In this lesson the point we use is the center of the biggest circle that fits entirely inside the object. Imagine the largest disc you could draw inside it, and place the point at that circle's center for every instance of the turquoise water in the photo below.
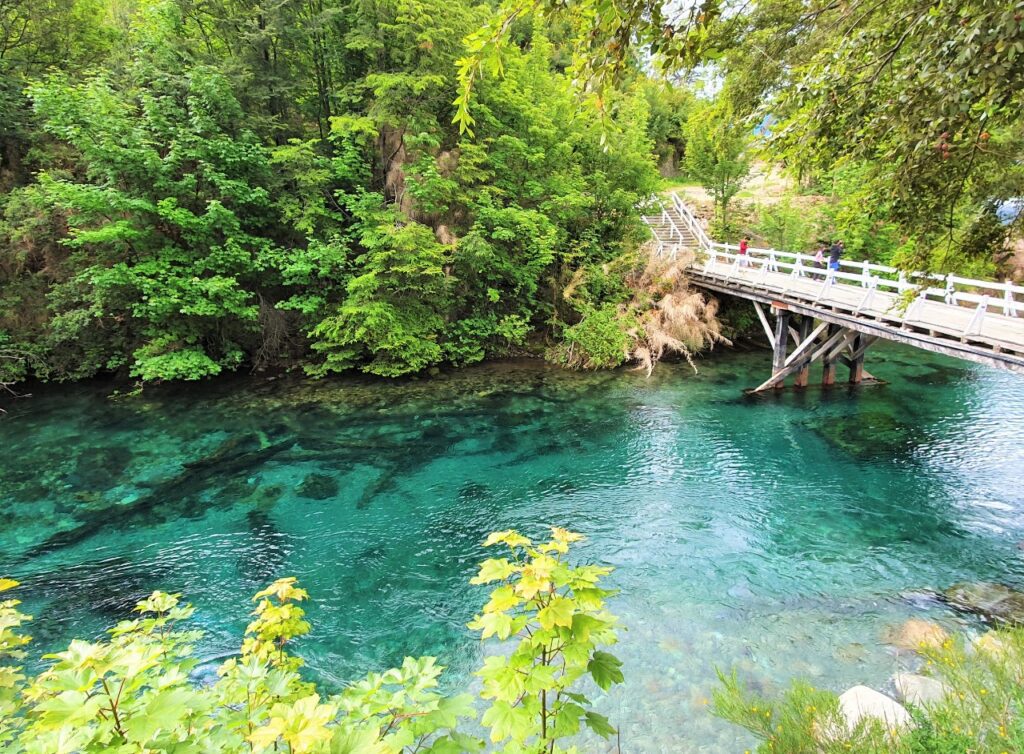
(781, 535)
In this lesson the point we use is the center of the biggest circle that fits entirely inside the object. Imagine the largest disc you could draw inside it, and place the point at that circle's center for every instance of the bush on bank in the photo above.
(979, 712)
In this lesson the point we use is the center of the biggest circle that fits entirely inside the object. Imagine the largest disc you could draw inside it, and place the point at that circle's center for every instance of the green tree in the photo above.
(716, 154)
(927, 93)
(392, 317)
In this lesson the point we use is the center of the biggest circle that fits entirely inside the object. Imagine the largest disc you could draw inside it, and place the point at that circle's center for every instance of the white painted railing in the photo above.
(951, 289)
(691, 222)
(913, 288)
(675, 236)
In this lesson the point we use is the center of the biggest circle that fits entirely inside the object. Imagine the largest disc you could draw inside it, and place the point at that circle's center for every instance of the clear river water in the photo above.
(778, 535)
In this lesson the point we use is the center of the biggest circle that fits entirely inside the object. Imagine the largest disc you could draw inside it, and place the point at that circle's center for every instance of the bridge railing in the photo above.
(913, 288)
(675, 235)
(983, 296)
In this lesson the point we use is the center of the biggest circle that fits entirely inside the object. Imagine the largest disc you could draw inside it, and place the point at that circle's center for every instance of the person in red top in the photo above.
(744, 243)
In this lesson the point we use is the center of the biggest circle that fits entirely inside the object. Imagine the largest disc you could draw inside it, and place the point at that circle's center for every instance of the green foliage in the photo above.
(980, 711)
(216, 191)
(132, 692)
(795, 724)
(857, 216)
(392, 317)
(558, 613)
(922, 97)
(601, 39)
(670, 107)
(918, 89)
(784, 226)
(716, 144)
(598, 341)
(926, 94)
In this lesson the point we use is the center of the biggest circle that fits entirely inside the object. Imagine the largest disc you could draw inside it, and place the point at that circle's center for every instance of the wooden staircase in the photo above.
(670, 230)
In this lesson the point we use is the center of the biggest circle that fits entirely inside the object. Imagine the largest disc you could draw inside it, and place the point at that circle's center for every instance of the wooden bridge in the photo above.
(833, 316)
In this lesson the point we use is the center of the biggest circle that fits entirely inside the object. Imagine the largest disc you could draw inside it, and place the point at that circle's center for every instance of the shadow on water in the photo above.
(95, 489)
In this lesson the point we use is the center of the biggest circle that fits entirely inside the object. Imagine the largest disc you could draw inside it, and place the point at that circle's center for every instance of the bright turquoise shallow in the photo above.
(780, 535)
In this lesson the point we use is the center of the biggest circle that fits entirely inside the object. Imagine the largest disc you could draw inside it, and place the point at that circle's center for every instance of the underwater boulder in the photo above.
(916, 634)
(100, 468)
(868, 435)
(997, 603)
(318, 487)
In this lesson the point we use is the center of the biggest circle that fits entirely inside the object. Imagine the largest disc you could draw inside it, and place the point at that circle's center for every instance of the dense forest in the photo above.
(193, 186)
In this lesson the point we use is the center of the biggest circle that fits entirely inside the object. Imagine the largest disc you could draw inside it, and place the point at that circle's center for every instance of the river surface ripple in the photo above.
(777, 535)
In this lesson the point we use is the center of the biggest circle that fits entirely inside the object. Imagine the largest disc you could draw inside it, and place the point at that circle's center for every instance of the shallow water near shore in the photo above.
(780, 535)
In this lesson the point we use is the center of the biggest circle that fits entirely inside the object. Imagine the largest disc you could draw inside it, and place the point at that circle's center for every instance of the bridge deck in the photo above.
(995, 330)
(932, 325)
(970, 319)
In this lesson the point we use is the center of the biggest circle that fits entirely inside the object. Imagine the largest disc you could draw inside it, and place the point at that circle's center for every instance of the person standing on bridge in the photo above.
(744, 244)
(819, 260)
(833, 255)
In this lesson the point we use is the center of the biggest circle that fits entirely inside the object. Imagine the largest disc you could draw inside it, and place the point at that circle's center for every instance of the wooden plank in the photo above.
(828, 364)
(781, 337)
(807, 342)
(857, 362)
(882, 324)
(808, 336)
(764, 324)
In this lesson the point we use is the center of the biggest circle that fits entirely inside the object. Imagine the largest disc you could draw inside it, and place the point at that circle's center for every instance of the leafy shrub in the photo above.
(981, 711)
(132, 691)
(786, 227)
(598, 341)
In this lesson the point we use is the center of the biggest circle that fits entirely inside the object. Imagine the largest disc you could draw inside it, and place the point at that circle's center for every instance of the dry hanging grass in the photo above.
(663, 316)
(672, 317)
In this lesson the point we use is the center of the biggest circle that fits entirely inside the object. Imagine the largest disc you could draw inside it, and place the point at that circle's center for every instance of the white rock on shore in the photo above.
(919, 690)
(860, 702)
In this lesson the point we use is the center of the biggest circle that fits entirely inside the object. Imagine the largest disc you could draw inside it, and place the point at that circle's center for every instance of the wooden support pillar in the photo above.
(806, 327)
(857, 361)
(828, 365)
(781, 341)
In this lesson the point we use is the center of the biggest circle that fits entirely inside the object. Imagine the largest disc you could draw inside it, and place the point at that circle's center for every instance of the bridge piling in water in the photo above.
(827, 342)
(804, 372)
(828, 364)
(780, 343)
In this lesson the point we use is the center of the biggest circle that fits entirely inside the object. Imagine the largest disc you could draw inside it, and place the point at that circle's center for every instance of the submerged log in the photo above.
(172, 497)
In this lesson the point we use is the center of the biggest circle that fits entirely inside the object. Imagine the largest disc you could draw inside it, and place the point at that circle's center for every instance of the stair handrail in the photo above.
(691, 222)
(667, 218)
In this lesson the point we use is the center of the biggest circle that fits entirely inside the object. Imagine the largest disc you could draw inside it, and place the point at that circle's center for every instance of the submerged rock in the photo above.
(860, 703)
(473, 492)
(994, 602)
(868, 435)
(919, 690)
(100, 468)
(991, 643)
(854, 652)
(917, 634)
(319, 487)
